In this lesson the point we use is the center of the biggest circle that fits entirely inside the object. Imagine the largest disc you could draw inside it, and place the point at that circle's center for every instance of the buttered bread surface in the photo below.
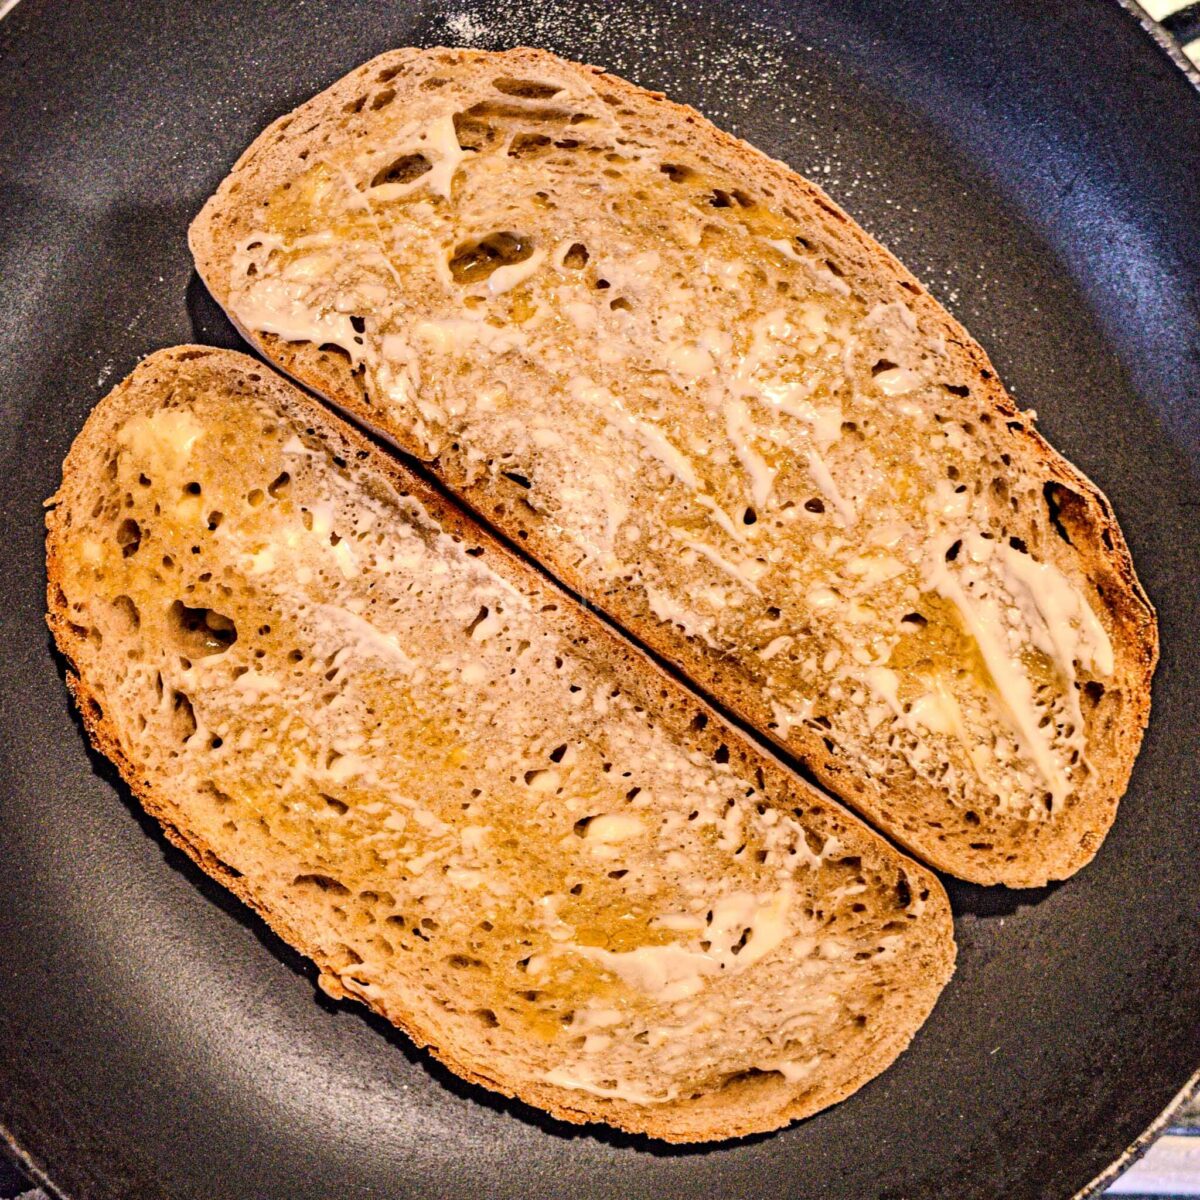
(704, 398)
(476, 808)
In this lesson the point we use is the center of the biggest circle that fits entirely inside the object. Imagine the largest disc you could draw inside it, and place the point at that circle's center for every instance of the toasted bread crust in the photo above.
(1025, 856)
(733, 1112)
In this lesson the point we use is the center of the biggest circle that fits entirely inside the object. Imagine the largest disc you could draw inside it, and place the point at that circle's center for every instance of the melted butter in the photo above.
(739, 430)
(744, 929)
(504, 279)
(652, 437)
(575, 1082)
(613, 827)
(981, 619)
(942, 643)
(163, 439)
(286, 308)
(1069, 631)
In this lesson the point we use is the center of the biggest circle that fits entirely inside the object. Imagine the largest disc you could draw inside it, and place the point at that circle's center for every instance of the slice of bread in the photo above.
(712, 405)
(474, 806)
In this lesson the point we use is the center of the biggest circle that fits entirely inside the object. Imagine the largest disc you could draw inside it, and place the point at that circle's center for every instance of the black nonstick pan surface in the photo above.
(1036, 163)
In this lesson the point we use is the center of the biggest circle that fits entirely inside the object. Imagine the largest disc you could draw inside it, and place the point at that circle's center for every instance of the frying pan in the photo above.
(1037, 163)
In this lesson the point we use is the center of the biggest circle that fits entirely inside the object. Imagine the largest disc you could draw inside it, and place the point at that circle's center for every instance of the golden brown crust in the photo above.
(1049, 850)
(721, 1115)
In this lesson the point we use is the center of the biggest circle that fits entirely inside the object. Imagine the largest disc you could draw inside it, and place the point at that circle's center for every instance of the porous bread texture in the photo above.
(704, 399)
(476, 808)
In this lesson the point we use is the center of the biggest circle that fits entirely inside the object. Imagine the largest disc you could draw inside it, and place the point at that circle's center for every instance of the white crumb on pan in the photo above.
(650, 44)
(466, 29)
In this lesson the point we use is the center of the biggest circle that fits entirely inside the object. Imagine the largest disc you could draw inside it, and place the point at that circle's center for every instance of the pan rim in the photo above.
(1165, 42)
(1140, 1145)
(25, 1162)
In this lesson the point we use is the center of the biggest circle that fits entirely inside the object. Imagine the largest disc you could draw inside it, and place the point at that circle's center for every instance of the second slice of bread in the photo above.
(475, 807)
(711, 404)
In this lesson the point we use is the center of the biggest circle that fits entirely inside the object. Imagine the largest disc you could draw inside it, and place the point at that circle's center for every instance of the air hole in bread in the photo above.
(721, 754)
(339, 806)
(200, 632)
(475, 260)
(129, 537)
(383, 99)
(620, 304)
(321, 883)
(404, 169)
(486, 1018)
(677, 172)
(576, 257)
(479, 617)
(183, 716)
(473, 134)
(465, 962)
(214, 520)
(328, 348)
(527, 89)
(490, 108)
(128, 617)
(1057, 498)
(517, 478)
(433, 83)
(526, 145)
(814, 505)
(214, 793)
(278, 487)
